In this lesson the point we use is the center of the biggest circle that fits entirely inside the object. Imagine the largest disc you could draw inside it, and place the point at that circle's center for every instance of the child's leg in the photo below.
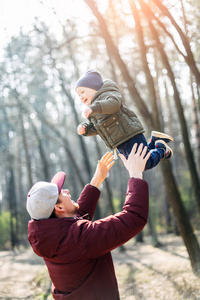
(156, 154)
(154, 159)
(126, 147)
(162, 150)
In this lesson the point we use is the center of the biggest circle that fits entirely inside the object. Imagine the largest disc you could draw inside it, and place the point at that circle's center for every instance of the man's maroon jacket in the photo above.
(77, 251)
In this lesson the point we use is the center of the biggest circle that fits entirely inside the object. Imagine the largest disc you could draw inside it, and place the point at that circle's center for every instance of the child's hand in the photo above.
(87, 112)
(81, 129)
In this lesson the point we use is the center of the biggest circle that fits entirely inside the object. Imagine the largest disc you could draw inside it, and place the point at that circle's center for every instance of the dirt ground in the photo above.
(17, 272)
(143, 272)
(149, 273)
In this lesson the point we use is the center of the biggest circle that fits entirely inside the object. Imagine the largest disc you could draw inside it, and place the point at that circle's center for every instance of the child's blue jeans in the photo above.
(156, 154)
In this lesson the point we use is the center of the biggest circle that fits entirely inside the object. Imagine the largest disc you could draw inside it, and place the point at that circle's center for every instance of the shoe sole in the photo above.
(161, 135)
(167, 148)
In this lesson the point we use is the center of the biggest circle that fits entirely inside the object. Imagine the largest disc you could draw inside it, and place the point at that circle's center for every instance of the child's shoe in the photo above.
(168, 152)
(156, 135)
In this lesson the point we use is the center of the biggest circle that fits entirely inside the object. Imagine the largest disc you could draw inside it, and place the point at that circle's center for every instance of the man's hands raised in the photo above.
(102, 169)
(135, 164)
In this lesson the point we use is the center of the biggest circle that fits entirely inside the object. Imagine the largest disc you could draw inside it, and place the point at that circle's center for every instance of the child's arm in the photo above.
(86, 129)
(87, 112)
(110, 105)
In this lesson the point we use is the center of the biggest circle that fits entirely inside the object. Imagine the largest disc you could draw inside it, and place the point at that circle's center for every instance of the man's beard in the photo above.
(76, 207)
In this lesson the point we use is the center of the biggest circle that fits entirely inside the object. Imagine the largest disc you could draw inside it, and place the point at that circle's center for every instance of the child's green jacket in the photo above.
(111, 119)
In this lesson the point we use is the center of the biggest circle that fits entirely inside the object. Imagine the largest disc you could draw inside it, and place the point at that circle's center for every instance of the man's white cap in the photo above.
(43, 196)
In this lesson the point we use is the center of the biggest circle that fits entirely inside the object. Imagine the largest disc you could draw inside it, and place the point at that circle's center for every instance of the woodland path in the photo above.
(143, 272)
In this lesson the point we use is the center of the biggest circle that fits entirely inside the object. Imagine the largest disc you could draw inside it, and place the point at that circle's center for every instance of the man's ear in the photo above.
(58, 207)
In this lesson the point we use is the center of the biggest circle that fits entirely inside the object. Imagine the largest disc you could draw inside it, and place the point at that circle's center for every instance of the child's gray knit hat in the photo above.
(92, 79)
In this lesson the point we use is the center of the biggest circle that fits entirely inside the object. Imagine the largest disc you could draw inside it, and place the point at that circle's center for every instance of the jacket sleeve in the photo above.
(99, 237)
(88, 201)
(110, 105)
(90, 130)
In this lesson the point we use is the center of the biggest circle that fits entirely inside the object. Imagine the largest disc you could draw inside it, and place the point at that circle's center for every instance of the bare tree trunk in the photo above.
(14, 224)
(69, 97)
(82, 144)
(44, 160)
(189, 58)
(192, 246)
(194, 105)
(167, 214)
(108, 189)
(189, 152)
(196, 124)
(20, 112)
(182, 219)
(139, 237)
(66, 147)
(18, 174)
(149, 78)
(152, 227)
(24, 139)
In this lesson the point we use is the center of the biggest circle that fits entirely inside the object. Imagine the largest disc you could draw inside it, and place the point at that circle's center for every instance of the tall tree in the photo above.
(143, 51)
(190, 57)
(170, 182)
(179, 107)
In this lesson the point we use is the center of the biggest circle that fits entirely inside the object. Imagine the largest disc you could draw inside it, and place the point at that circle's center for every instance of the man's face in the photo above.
(86, 94)
(67, 204)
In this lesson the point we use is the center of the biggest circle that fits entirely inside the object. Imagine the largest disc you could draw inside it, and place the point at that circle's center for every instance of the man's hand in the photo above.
(81, 129)
(87, 112)
(135, 164)
(102, 169)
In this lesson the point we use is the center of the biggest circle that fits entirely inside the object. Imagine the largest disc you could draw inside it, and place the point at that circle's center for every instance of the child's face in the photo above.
(86, 94)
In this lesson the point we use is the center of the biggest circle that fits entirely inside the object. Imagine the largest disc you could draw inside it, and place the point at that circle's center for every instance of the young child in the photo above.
(117, 125)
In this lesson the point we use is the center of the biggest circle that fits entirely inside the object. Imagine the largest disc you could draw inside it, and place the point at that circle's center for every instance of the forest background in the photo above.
(151, 49)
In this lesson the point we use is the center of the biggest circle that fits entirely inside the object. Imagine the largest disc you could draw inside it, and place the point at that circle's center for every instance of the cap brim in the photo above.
(59, 180)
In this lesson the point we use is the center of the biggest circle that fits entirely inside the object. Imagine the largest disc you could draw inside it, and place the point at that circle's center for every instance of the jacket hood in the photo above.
(45, 236)
(108, 85)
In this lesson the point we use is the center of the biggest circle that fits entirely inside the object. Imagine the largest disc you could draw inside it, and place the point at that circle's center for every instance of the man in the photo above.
(75, 249)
